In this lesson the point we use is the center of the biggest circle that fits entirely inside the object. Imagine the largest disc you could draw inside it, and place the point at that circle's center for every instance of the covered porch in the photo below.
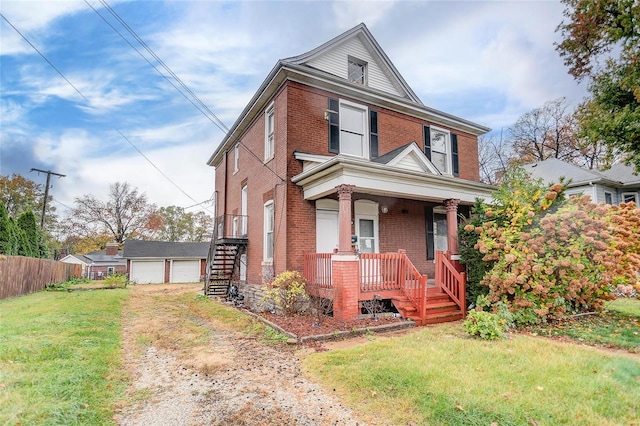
(391, 234)
(387, 276)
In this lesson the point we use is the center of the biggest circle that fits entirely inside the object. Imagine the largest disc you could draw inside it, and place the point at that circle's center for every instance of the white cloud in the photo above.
(350, 13)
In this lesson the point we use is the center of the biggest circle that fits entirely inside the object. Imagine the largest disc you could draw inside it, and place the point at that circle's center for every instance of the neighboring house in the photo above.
(165, 262)
(335, 148)
(78, 259)
(100, 263)
(613, 186)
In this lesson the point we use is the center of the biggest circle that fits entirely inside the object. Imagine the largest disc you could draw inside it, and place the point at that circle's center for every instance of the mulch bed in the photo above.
(306, 327)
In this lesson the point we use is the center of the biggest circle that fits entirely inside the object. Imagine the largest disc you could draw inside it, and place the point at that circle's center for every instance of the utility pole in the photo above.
(46, 191)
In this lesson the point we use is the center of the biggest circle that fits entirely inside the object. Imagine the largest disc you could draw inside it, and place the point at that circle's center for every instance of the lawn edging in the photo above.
(335, 335)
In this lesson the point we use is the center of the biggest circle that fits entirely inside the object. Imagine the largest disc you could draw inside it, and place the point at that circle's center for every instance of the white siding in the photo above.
(335, 62)
(410, 163)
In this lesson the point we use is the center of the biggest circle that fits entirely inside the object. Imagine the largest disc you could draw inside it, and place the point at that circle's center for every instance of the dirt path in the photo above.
(228, 379)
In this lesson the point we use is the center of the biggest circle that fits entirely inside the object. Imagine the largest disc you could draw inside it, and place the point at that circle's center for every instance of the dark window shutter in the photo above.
(373, 137)
(334, 126)
(454, 154)
(427, 141)
(428, 212)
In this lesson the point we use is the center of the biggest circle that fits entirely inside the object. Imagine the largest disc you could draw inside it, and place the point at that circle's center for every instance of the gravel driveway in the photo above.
(249, 383)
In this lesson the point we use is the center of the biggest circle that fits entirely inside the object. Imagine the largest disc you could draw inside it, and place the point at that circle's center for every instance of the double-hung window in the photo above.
(269, 220)
(269, 135)
(353, 129)
(608, 197)
(441, 147)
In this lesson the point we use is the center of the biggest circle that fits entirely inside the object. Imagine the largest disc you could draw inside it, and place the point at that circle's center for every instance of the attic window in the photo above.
(357, 71)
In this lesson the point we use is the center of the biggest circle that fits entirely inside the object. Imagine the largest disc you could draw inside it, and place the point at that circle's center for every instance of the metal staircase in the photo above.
(223, 260)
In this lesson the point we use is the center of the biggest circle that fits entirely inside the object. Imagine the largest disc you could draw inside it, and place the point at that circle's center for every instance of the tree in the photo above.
(494, 156)
(601, 42)
(178, 225)
(545, 132)
(31, 245)
(8, 237)
(21, 195)
(125, 214)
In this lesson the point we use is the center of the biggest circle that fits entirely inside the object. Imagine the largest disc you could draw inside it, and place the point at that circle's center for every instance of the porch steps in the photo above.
(439, 308)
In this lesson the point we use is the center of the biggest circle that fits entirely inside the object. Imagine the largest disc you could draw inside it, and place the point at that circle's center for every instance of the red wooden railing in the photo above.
(317, 270)
(380, 271)
(450, 280)
(414, 285)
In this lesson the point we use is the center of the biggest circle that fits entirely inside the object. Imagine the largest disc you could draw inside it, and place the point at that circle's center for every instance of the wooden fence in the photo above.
(23, 275)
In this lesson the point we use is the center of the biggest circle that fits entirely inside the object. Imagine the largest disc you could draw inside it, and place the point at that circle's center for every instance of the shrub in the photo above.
(116, 281)
(286, 292)
(547, 258)
(486, 325)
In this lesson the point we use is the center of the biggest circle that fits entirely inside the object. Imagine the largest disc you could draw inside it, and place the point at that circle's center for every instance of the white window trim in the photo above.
(236, 158)
(267, 205)
(269, 146)
(610, 196)
(361, 63)
(449, 171)
(365, 127)
(634, 194)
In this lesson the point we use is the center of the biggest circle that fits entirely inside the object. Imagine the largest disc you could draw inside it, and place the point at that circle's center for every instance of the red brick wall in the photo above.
(300, 126)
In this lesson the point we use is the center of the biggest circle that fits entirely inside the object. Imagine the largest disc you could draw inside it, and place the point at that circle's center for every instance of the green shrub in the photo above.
(287, 293)
(116, 281)
(486, 325)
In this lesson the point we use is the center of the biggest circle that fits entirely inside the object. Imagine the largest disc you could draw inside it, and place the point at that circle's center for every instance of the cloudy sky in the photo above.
(488, 62)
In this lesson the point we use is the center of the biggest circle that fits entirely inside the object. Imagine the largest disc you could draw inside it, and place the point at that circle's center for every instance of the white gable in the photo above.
(334, 61)
(411, 158)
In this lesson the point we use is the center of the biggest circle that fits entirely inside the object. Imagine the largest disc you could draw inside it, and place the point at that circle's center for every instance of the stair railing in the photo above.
(450, 280)
(413, 284)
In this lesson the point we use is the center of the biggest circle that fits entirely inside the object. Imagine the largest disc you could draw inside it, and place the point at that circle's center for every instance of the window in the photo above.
(269, 220)
(350, 125)
(356, 70)
(628, 197)
(608, 197)
(111, 270)
(236, 158)
(269, 125)
(441, 147)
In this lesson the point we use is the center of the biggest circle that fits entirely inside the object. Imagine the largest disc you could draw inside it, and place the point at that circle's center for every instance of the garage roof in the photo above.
(164, 249)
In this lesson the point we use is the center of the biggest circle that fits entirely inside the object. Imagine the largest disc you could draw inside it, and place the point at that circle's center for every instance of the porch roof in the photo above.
(386, 180)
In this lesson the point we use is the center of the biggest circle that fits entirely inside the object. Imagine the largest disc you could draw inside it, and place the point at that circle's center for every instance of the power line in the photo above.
(86, 99)
(199, 104)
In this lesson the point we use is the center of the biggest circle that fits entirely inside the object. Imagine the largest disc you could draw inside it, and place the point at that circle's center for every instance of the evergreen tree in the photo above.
(27, 224)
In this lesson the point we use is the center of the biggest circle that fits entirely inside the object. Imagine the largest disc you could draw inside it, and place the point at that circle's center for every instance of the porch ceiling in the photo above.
(380, 179)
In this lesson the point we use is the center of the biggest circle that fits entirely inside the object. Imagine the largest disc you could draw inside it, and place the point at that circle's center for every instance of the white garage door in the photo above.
(185, 271)
(146, 272)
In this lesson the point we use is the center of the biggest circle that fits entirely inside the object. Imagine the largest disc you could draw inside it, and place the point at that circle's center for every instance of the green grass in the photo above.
(617, 327)
(440, 376)
(60, 358)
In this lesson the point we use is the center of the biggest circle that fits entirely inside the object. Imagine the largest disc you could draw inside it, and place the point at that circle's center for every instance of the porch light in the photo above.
(384, 209)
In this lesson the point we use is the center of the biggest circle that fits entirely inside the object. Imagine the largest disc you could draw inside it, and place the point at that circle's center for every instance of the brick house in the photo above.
(336, 168)
(98, 264)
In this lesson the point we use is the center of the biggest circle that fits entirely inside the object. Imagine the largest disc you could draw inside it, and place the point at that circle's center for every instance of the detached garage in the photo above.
(165, 262)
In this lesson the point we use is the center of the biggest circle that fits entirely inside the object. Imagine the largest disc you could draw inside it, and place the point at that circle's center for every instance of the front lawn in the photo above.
(441, 376)
(617, 327)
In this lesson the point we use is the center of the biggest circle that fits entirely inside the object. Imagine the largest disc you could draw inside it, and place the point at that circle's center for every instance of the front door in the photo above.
(326, 226)
(366, 224)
